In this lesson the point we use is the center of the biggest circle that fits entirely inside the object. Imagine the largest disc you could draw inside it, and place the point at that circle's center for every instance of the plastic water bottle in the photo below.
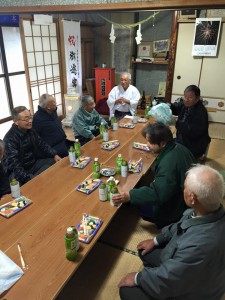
(124, 168)
(96, 168)
(114, 123)
(102, 192)
(15, 188)
(71, 240)
(119, 160)
(72, 155)
(114, 192)
(77, 148)
(135, 118)
(101, 129)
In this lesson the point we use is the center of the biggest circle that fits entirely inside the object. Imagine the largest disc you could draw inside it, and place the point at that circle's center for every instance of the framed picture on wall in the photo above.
(145, 50)
(187, 14)
(160, 48)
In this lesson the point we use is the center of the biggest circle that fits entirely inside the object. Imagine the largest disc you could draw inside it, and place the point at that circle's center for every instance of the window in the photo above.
(13, 85)
(43, 61)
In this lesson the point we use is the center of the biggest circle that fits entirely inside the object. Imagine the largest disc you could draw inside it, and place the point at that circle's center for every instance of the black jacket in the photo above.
(192, 127)
(4, 182)
(22, 149)
(49, 127)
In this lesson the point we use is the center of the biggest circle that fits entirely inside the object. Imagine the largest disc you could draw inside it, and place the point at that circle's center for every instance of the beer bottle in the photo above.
(143, 101)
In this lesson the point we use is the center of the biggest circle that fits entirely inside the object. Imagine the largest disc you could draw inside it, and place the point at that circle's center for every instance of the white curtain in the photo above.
(72, 42)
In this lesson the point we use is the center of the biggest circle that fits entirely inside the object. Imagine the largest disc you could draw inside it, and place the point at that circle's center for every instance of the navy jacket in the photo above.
(49, 127)
(192, 127)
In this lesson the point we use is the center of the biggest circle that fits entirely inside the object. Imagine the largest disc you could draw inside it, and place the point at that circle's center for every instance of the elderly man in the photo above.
(192, 124)
(4, 180)
(161, 202)
(86, 121)
(26, 154)
(187, 260)
(123, 99)
(48, 125)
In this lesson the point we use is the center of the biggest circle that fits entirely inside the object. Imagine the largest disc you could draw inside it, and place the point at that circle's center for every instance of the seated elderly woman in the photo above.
(192, 124)
(86, 121)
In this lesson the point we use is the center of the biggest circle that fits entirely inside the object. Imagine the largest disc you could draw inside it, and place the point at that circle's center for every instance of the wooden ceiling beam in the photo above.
(128, 6)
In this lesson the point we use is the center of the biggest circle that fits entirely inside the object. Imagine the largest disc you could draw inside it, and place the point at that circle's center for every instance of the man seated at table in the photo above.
(187, 260)
(123, 98)
(48, 125)
(4, 180)
(86, 121)
(192, 124)
(162, 201)
(26, 154)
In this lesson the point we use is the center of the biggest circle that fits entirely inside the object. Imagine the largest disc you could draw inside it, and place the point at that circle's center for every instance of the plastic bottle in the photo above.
(70, 243)
(105, 135)
(143, 101)
(96, 168)
(146, 112)
(135, 118)
(101, 129)
(114, 123)
(15, 188)
(102, 192)
(124, 168)
(114, 192)
(119, 160)
(72, 155)
(110, 184)
(77, 148)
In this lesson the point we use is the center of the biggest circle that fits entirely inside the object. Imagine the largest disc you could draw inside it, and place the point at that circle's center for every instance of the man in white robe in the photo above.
(123, 98)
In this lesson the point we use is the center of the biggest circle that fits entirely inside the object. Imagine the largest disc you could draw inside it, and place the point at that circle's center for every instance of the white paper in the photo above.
(9, 272)
(43, 20)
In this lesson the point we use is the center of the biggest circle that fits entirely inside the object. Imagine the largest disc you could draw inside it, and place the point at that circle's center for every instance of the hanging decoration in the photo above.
(112, 36)
(139, 35)
(138, 38)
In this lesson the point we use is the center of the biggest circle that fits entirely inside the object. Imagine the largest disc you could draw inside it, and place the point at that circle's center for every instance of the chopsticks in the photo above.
(24, 266)
(137, 162)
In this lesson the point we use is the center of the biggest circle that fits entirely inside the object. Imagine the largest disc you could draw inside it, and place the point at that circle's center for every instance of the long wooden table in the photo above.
(40, 228)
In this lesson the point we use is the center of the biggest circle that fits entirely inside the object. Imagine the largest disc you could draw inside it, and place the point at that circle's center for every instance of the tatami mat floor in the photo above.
(115, 253)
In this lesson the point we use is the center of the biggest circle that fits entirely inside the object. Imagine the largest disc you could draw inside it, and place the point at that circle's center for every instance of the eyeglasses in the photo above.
(26, 119)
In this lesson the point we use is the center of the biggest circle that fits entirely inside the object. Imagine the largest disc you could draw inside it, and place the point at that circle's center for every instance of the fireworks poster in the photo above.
(206, 39)
(72, 43)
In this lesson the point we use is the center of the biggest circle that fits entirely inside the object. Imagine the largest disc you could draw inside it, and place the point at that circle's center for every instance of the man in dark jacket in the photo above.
(48, 125)
(192, 124)
(4, 180)
(26, 154)
(162, 201)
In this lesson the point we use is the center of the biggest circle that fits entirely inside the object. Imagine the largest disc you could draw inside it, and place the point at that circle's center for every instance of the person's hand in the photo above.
(57, 158)
(146, 246)
(128, 280)
(121, 198)
(119, 101)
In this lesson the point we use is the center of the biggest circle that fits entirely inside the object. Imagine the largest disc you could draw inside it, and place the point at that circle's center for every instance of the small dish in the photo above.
(107, 172)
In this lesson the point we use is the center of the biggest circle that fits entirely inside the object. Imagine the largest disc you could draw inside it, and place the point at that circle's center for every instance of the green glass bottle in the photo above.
(77, 148)
(70, 243)
(101, 129)
(96, 168)
(119, 160)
